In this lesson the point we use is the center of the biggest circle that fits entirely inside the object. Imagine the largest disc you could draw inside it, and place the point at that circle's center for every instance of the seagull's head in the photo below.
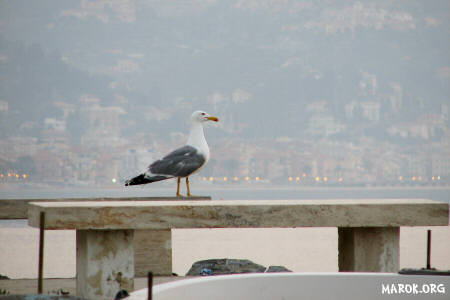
(201, 116)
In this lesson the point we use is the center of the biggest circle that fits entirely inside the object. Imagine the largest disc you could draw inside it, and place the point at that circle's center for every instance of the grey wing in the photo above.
(180, 163)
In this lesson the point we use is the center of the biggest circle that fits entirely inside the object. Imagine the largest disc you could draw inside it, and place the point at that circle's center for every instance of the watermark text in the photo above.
(412, 288)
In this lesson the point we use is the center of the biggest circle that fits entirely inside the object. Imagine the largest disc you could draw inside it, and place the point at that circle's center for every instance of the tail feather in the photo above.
(144, 179)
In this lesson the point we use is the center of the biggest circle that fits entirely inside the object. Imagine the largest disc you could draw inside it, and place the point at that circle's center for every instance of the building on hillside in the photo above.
(371, 110)
(324, 125)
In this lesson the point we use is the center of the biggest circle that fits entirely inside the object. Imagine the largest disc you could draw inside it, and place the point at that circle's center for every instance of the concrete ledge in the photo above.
(18, 208)
(239, 214)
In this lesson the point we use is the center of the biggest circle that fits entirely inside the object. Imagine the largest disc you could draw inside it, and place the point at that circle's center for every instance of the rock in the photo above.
(224, 266)
(276, 269)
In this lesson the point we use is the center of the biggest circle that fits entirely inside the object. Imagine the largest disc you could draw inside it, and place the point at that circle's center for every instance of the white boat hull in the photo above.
(295, 286)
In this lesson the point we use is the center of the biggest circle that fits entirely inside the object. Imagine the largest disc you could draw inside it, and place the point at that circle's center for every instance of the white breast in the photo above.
(197, 140)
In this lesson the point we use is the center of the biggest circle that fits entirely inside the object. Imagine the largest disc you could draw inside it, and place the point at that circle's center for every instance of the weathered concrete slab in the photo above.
(372, 249)
(18, 208)
(153, 252)
(105, 263)
(240, 213)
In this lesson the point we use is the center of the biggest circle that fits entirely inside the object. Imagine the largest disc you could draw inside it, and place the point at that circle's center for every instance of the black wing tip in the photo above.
(142, 179)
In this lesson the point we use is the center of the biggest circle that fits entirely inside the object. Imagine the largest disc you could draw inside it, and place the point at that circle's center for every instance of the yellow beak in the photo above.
(215, 119)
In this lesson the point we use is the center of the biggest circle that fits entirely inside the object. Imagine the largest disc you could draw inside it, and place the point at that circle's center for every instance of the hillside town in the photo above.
(104, 157)
(308, 94)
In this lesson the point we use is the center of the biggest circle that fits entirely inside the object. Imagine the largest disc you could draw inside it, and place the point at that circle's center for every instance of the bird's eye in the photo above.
(203, 114)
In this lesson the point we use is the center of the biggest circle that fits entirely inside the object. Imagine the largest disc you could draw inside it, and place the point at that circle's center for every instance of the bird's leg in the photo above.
(187, 187)
(178, 187)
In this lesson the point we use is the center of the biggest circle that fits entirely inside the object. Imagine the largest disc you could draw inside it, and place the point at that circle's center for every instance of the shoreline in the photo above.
(235, 192)
(239, 186)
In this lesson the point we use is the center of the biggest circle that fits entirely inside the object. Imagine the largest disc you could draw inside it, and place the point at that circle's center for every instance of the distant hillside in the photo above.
(31, 80)
(257, 64)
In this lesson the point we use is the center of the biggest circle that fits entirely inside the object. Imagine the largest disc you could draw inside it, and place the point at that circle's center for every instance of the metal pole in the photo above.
(428, 249)
(41, 251)
(149, 285)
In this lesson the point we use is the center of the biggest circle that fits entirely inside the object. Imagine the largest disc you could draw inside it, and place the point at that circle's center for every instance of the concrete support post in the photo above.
(368, 249)
(153, 252)
(105, 263)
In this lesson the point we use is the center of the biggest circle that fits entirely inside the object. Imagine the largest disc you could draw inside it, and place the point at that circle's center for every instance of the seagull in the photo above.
(182, 162)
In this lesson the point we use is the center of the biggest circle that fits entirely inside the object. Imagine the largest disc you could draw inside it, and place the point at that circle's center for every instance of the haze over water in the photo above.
(241, 193)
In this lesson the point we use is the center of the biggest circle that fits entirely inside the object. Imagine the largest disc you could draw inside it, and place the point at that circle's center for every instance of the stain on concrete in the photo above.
(124, 282)
(96, 281)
